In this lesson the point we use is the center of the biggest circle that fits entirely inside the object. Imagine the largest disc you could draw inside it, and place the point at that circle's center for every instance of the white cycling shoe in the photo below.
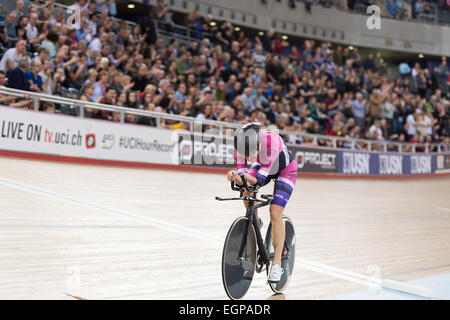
(275, 273)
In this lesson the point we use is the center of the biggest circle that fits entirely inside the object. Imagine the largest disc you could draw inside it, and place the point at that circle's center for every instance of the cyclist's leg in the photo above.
(278, 232)
(284, 185)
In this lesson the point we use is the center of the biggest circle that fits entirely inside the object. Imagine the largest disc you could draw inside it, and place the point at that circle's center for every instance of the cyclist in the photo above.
(262, 155)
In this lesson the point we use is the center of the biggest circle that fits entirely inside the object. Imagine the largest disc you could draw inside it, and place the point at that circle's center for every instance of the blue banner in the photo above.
(371, 163)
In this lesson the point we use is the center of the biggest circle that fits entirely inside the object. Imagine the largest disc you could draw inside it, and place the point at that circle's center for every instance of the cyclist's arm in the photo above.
(261, 170)
(251, 181)
(241, 166)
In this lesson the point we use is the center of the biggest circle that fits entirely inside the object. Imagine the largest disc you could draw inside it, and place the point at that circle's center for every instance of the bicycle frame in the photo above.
(264, 254)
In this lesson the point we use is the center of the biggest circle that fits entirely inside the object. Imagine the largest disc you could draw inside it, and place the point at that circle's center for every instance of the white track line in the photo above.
(307, 264)
(363, 279)
(442, 209)
(145, 220)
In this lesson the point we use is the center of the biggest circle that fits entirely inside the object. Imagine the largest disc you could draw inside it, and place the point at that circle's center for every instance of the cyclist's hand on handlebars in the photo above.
(230, 174)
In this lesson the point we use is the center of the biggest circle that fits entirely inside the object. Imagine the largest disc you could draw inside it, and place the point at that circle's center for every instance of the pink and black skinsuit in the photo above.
(274, 161)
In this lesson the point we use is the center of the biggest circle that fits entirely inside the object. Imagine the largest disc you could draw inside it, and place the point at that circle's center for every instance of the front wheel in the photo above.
(288, 255)
(237, 272)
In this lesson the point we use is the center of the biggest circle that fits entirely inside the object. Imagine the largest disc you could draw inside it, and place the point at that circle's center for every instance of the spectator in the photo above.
(46, 76)
(10, 25)
(140, 80)
(97, 44)
(248, 100)
(404, 69)
(11, 57)
(443, 76)
(369, 63)
(12, 101)
(375, 131)
(87, 92)
(50, 43)
(32, 32)
(132, 100)
(17, 77)
(33, 77)
(359, 111)
(259, 58)
(101, 86)
(101, 5)
(419, 7)
(411, 125)
(266, 40)
(19, 10)
(391, 8)
(375, 105)
(83, 5)
(109, 98)
(48, 107)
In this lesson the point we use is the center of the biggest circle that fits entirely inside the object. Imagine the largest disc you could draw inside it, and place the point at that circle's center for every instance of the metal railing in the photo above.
(183, 34)
(431, 17)
(351, 143)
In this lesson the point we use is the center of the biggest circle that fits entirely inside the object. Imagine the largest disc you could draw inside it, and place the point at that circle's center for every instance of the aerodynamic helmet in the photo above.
(246, 139)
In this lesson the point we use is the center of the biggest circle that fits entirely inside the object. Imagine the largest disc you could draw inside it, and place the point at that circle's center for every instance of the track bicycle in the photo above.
(244, 250)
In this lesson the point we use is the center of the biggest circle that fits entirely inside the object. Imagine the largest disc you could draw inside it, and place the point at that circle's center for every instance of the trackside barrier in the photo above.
(49, 134)
(209, 151)
(24, 132)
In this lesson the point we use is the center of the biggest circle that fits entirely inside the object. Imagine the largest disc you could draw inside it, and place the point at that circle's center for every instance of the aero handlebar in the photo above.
(251, 190)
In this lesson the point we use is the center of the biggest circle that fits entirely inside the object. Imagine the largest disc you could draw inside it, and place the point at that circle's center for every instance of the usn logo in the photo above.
(391, 165)
(356, 163)
(420, 164)
(108, 141)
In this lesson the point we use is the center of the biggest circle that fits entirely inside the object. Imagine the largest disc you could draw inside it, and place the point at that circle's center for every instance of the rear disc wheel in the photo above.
(287, 257)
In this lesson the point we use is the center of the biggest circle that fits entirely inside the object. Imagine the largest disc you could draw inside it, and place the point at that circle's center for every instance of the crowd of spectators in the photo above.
(306, 87)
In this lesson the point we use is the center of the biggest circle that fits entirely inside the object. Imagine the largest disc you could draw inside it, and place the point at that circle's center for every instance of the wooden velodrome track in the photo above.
(101, 232)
